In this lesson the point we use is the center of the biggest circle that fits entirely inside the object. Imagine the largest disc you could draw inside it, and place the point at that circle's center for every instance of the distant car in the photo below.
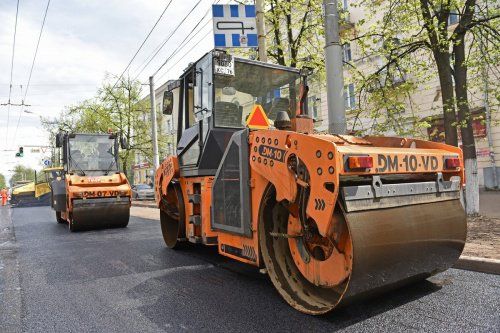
(142, 192)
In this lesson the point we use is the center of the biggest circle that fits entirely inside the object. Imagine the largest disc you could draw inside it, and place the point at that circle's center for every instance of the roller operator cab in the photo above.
(330, 217)
(90, 192)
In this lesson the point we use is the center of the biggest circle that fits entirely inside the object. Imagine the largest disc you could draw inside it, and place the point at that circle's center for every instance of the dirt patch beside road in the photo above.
(483, 237)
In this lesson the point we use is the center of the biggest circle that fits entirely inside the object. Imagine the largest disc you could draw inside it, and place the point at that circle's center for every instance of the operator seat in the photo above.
(105, 157)
(228, 114)
(78, 160)
(279, 104)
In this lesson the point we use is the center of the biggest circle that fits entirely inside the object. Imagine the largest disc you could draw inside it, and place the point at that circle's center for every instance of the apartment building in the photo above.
(424, 102)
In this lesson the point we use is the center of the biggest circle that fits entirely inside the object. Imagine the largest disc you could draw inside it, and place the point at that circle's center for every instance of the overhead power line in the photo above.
(186, 41)
(31, 69)
(184, 44)
(187, 36)
(36, 50)
(168, 38)
(11, 72)
(185, 54)
(142, 44)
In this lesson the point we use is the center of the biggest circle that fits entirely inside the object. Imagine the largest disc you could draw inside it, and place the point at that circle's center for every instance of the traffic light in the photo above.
(20, 153)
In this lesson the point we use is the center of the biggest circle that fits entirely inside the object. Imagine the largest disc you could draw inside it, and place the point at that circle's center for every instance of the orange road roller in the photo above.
(329, 217)
(91, 192)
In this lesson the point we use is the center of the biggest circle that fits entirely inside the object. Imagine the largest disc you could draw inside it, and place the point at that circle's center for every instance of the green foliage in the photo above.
(407, 43)
(2, 181)
(22, 173)
(294, 32)
(119, 109)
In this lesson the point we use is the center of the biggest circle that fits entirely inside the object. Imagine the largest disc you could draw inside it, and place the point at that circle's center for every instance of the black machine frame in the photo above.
(210, 139)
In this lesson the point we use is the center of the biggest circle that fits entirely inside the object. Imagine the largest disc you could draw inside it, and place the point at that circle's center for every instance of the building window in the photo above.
(349, 96)
(453, 18)
(312, 105)
(346, 52)
(345, 5)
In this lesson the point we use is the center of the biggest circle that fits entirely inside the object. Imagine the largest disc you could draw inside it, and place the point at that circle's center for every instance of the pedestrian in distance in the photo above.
(4, 195)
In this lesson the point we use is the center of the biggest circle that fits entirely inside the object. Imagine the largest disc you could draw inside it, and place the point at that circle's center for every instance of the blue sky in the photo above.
(83, 40)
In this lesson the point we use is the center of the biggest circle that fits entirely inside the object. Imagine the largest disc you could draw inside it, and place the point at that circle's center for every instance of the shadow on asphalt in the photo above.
(371, 306)
(230, 296)
(240, 292)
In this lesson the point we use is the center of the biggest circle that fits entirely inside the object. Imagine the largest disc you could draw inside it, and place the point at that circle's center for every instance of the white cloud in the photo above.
(82, 41)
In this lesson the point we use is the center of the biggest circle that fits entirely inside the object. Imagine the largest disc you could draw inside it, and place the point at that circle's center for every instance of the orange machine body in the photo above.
(329, 217)
(95, 187)
(326, 157)
(90, 192)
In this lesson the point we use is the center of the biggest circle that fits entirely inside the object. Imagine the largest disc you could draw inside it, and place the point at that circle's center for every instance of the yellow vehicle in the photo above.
(37, 193)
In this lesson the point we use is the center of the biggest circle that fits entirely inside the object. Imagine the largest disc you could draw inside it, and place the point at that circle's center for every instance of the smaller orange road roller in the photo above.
(92, 192)
(330, 217)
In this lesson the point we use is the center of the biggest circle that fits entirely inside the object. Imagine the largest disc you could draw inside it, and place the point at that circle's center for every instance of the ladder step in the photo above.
(196, 240)
(194, 198)
(195, 219)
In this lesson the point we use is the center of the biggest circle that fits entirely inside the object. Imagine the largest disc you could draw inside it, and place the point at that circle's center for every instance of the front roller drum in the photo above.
(366, 252)
(172, 216)
(99, 213)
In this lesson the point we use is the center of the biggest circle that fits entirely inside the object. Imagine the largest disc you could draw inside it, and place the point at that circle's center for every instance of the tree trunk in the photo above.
(465, 121)
(446, 83)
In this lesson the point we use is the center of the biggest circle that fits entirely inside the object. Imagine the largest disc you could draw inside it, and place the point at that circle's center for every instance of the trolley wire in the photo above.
(169, 37)
(142, 44)
(187, 36)
(11, 72)
(182, 46)
(186, 53)
(31, 69)
(187, 39)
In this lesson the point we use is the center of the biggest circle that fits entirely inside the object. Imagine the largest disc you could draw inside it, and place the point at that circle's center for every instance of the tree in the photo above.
(414, 39)
(294, 30)
(22, 173)
(2, 181)
(119, 109)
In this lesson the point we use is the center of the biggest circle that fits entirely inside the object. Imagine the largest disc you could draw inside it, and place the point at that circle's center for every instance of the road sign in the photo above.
(257, 118)
(234, 26)
(47, 163)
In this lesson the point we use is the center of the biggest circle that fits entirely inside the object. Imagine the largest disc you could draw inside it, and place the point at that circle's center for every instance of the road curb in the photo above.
(147, 204)
(477, 264)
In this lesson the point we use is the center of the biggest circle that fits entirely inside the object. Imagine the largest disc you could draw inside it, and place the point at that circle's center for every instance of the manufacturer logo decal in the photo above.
(272, 153)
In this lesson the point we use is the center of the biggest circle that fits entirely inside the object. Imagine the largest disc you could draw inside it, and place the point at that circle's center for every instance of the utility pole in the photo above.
(261, 30)
(334, 70)
(156, 158)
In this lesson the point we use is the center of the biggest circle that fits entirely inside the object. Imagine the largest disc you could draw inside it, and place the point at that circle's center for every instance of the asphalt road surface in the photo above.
(125, 280)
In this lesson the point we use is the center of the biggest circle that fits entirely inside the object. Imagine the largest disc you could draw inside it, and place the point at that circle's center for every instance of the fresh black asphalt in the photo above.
(126, 280)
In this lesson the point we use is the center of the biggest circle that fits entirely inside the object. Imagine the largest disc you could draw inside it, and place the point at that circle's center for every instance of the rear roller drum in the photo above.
(59, 219)
(364, 252)
(172, 217)
(104, 216)
(290, 255)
